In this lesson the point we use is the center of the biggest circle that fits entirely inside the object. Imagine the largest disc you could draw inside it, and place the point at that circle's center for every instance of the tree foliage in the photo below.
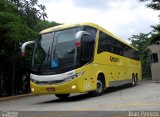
(20, 21)
(154, 4)
(30, 11)
(155, 33)
(141, 42)
(42, 24)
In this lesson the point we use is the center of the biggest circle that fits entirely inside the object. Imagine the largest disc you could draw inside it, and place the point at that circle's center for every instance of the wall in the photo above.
(155, 67)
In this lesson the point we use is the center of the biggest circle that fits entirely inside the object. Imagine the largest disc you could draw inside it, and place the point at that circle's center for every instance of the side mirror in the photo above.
(82, 40)
(79, 34)
(24, 46)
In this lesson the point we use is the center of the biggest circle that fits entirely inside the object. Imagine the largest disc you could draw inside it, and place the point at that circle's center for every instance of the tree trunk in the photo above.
(0, 80)
(13, 74)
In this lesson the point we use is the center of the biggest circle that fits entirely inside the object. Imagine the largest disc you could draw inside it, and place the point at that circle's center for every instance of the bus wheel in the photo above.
(133, 83)
(136, 80)
(62, 96)
(100, 87)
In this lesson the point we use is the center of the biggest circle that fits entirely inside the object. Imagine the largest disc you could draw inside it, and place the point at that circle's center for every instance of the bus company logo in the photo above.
(114, 59)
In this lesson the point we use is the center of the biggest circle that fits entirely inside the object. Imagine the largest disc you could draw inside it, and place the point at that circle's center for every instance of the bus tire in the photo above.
(133, 83)
(100, 87)
(136, 79)
(62, 96)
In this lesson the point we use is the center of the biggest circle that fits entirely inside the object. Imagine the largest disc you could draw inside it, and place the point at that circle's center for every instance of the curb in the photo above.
(14, 97)
(150, 81)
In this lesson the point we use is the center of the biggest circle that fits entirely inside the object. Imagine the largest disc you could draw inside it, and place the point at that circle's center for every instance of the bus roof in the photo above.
(64, 26)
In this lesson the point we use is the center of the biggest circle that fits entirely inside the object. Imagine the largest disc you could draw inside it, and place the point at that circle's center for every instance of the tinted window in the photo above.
(110, 44)
(131, 53)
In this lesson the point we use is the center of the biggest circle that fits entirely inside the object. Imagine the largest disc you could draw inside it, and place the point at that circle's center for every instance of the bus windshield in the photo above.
(55, 51)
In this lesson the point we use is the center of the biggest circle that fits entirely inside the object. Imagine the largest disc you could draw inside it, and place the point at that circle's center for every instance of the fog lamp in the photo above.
(32, 89)
(73, 87)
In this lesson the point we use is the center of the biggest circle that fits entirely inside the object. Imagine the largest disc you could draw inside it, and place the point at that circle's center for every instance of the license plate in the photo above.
(50, 89)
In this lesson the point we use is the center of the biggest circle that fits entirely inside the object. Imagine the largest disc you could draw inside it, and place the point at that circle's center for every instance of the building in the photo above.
(154, 53)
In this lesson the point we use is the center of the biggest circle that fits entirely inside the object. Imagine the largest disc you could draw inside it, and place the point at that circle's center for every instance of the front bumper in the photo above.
(73, 86)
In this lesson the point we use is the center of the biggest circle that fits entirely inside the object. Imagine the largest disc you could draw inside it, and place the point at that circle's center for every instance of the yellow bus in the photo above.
(80, 58)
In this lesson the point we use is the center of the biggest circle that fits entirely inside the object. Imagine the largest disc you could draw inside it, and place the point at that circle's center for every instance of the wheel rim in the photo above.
(99, 86)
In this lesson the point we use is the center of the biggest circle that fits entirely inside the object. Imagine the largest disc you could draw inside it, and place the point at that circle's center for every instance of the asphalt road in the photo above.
(143, 97)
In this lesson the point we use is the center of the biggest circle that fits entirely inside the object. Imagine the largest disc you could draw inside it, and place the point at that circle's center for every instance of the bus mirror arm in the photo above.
(79, 34)
(24, 46)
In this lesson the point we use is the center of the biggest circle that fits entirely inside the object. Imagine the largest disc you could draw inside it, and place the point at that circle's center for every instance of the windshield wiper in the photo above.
(45, 60)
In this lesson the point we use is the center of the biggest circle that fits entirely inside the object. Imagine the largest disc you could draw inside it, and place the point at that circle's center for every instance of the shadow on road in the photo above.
(114, 89)
(69, 99)
(80, 97)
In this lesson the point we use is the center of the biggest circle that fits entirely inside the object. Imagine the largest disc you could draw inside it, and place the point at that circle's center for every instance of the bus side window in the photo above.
(102, 44)
(108, 43)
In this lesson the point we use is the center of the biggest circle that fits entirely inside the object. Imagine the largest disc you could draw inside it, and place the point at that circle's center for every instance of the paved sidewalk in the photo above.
(150, 81)
(15, 97)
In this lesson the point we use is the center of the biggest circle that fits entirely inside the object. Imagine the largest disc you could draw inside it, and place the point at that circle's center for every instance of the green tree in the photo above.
(154, 4)
(12, 31)
(141, 42)
(43, 24)
(155, 33)
(20, 20)
(30, 11)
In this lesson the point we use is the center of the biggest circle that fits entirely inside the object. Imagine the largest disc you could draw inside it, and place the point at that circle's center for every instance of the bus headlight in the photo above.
(32, 89)
(69, 78)
(74, 76)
